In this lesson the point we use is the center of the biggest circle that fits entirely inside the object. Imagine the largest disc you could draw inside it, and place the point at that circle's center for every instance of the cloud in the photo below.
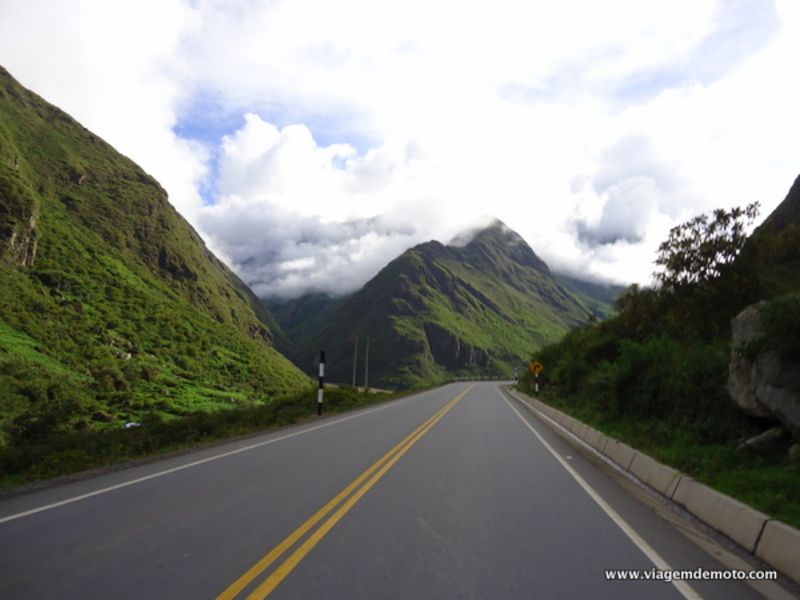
(631, 197)
(293, 216)
(287, 166)
(282, 254)
(628, 210)
(90, 58)
(310, 147)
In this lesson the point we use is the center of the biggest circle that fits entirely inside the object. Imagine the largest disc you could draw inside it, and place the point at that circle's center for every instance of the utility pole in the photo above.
(366, 367)
(355, 359)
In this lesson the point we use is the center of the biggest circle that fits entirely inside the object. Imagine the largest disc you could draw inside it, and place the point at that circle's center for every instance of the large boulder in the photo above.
(764, 382)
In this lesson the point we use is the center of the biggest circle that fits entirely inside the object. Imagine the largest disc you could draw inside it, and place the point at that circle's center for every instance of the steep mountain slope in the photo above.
(772, 253)
(304, 317)
(479, 307)
(112, 306)
(787, 213)
(598, 297)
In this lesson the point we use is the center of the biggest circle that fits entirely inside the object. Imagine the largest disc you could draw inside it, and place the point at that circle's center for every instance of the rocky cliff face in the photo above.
(18, 232)
(763, 381)
(19, 240)
(452, 352)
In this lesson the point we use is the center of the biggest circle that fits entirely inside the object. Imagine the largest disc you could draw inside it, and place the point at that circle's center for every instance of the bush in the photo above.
(660, 380)
(780, 319)
(663, 378)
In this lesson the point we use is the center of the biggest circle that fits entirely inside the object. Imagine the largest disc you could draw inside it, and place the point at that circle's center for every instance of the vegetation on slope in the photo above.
(112, 308)
(69, 452)
(655, 374)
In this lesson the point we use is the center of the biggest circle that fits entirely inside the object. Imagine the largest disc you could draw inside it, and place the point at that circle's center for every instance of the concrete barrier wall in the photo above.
(659, 477)
(776, 543)
(595, 439)
(739, 522)
(779, 546)
(620, 453)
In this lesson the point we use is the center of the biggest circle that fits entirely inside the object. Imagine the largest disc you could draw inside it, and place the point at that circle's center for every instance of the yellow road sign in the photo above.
(537, 367)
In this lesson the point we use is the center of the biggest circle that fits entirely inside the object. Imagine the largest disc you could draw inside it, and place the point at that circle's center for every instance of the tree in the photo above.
(699, 250)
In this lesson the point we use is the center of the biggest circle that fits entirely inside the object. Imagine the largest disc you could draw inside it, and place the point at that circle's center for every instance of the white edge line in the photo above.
(647, 549)
(46, 507)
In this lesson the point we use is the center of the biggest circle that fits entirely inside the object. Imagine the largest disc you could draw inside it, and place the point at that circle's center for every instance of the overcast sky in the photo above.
(311, 141)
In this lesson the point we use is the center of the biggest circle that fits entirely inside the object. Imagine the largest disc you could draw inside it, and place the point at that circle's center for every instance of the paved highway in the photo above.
(458, 492)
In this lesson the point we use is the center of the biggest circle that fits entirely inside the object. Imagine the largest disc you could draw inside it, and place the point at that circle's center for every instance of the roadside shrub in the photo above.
(342, 398)
(661, 377)
(780, 319)
(51, 449)
(659, 384)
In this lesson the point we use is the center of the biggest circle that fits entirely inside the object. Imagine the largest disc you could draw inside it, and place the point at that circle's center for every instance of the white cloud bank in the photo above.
(311, 142)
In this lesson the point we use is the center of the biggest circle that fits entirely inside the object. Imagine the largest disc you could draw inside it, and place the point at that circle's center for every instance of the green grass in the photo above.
(14, 343)
(76, 451)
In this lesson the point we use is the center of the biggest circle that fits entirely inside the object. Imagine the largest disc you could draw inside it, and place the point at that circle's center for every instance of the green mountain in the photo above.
(772, 253)
(111, 305)
(304, 317)
(598, 297)
(476, 308)
(785, 216)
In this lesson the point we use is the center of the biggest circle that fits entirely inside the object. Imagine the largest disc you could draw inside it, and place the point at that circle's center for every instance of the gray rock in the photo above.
(766, 385)
(772, 440)
(794, 454)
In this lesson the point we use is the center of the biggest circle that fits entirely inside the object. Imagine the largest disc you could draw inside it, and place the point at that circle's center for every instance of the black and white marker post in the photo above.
(321, 381)
(536, 368)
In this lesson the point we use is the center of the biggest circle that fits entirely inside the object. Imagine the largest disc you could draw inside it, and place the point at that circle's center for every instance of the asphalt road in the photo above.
(454, 493)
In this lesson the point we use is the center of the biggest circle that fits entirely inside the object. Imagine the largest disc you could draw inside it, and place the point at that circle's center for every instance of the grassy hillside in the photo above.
(445, 311)
(112, 307)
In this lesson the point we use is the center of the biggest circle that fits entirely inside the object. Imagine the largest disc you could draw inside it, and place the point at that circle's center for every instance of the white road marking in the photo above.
(646, 548)
(105, 490)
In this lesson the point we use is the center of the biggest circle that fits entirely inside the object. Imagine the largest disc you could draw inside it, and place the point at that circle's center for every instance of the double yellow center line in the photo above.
(345, 500)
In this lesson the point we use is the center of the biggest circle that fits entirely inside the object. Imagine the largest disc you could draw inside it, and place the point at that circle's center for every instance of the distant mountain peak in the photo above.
(477, 306)
(469, 235)
(498, 234)
(495, 243)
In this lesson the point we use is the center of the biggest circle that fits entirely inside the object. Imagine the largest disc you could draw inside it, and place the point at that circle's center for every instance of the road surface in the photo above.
(455, 493)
